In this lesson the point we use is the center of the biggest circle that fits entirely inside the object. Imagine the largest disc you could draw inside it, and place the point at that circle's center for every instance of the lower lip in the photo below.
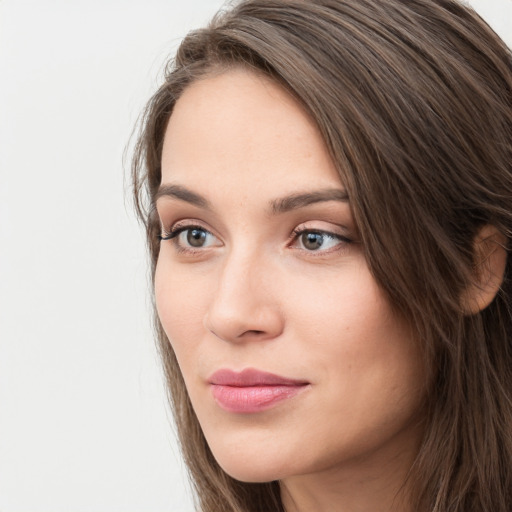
(252, 399)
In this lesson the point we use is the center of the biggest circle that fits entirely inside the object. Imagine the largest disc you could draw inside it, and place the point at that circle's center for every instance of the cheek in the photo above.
(340, 334)
(342, 314)
(365, 354)
(180, 303)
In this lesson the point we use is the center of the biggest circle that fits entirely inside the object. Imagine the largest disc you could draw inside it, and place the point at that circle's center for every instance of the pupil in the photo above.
(196, 237)
(312, 241)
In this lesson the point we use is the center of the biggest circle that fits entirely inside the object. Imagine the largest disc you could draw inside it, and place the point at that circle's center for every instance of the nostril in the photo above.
(237, 321)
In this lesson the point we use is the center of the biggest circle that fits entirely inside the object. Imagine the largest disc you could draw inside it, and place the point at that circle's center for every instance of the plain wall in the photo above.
(84, 425)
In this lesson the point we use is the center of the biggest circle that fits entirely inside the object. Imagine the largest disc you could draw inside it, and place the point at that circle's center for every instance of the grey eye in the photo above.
(196, 237)
(318, 241)
(312, 241)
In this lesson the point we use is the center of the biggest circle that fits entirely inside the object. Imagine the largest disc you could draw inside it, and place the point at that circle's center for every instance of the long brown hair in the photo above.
(414, 101)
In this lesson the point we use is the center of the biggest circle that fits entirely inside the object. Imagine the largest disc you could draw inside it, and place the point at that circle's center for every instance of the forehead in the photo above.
(240, 132)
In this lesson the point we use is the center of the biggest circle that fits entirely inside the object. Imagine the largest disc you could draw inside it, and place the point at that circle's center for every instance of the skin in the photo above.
(257, 295)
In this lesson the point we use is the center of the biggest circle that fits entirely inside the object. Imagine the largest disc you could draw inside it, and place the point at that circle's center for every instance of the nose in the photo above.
(244, 305)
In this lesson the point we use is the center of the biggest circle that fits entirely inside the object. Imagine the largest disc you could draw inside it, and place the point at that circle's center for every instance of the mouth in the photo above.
(252, 390)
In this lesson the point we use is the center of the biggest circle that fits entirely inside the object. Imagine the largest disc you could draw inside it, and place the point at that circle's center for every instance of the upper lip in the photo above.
(251, 377)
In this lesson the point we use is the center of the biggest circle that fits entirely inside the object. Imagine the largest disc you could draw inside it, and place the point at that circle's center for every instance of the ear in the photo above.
(489, 269)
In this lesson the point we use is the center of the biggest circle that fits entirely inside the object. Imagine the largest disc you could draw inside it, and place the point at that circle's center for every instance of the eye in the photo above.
(190, 237)
(194, 237)
(318, 241)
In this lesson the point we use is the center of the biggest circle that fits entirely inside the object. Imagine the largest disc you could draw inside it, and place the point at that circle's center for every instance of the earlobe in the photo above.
(489, 269)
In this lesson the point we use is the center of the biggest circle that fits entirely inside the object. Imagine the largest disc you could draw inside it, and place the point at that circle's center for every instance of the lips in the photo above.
(252, 390)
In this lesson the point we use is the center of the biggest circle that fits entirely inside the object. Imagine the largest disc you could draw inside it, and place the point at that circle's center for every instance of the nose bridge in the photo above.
(244, 305)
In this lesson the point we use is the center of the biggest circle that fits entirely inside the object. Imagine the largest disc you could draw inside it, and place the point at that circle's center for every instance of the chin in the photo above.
(251, 468)
(249, 475)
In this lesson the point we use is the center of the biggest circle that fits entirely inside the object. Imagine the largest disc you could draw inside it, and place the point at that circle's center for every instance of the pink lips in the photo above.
(252, 390)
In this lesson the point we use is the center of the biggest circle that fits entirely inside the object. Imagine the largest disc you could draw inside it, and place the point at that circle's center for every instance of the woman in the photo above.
(327, 190)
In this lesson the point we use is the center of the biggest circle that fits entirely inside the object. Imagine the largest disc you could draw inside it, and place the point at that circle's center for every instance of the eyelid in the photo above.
(327, 228)
(182, 225)
(330, 231)
(343, 239)
(175, 232)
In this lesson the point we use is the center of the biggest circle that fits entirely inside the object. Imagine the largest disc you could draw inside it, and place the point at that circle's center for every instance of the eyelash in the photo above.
(342, 240)
(174, 232)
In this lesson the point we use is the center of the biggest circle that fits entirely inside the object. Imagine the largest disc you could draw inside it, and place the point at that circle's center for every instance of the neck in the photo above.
(375, 481)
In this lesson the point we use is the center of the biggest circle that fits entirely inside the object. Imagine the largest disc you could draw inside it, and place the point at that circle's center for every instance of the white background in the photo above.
(83, 418)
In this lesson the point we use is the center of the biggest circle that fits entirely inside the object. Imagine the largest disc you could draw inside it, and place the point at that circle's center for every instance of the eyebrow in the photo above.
(280, 205)
(184, 194)
(295, 201)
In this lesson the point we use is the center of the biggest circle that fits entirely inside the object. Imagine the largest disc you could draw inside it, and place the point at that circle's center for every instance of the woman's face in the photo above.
(293, 359)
